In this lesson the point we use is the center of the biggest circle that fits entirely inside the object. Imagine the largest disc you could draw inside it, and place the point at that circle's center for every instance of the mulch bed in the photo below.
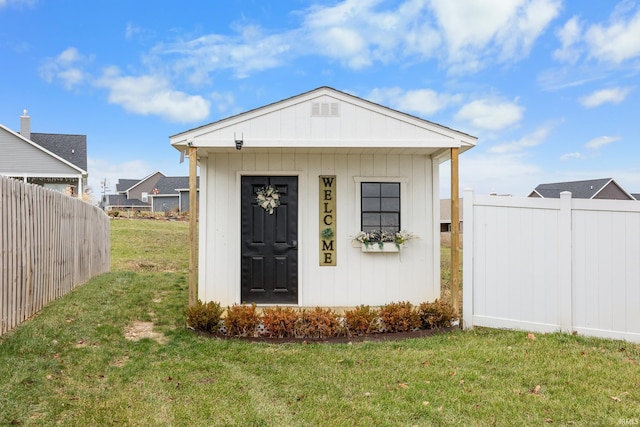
(397, 336)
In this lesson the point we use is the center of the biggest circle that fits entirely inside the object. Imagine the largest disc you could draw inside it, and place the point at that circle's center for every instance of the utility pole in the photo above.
(103, 184)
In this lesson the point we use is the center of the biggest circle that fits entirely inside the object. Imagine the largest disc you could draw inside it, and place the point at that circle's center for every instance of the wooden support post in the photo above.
(455, 232)
(193, 227)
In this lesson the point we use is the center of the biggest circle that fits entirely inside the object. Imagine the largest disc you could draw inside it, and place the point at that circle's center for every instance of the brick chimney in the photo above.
(25, 125)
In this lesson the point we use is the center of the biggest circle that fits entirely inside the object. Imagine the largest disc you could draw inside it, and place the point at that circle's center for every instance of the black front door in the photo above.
(269, 271)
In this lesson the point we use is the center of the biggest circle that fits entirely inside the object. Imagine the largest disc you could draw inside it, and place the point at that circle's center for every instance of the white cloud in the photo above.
(357, 34)
(477, 30)
(617, 41)
(131, 30)
(531, 140)
(613, 95)
(18, 3)
(593, 146)
(361, 33)
(491, 114)
(223, 101)
(250, 51)
(485, 173)
(574, 155)
(601, 141)
(67, 68)
(423, 102)
(569, 35)
(149, 94)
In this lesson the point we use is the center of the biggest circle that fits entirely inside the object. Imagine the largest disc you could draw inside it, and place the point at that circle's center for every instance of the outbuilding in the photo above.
(286, 190)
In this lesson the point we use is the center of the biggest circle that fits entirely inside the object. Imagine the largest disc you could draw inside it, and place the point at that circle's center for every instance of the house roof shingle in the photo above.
(125, 184)
(603, 188)
(170, 184)
(72, 148)
(579, 189)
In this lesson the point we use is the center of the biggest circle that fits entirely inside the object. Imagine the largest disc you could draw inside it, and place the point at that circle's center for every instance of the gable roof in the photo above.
(171, 184)
(124, 184)
(72, 148)
(587, 189)
(29, 148)
(146, 178)
(325, 120)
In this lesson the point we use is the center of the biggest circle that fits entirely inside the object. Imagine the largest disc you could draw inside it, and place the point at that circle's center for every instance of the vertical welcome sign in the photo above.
(327, 220)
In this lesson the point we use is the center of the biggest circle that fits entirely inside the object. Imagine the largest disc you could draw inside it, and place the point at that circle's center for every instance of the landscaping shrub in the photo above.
(242, 320)
(318, 323)
(437, 314)
(399, 317)
(205, 317)
(362, 320)
(279, 322)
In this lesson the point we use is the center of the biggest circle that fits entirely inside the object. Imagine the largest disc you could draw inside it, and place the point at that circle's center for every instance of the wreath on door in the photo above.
(268, 198)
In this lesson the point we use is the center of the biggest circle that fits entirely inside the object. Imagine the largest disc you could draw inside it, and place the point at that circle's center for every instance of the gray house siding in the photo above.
(22, 158)
(165, 203)
(145, 186)
(613, 192)
(184, 200)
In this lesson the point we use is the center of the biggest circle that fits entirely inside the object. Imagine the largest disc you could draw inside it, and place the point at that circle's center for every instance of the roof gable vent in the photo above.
(325, 109)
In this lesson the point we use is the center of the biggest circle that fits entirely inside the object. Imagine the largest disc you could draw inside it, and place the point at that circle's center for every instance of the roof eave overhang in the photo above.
(440, 149)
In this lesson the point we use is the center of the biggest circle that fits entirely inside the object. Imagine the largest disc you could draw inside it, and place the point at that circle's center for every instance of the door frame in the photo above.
(237, 232)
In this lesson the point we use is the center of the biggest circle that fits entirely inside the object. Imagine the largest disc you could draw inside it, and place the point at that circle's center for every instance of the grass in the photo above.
(75, 364)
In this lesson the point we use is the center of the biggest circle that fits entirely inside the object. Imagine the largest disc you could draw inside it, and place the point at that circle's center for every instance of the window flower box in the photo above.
(380, 247)
(382, 241)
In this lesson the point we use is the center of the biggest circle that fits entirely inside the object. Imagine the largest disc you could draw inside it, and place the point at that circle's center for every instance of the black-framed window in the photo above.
(380, 205)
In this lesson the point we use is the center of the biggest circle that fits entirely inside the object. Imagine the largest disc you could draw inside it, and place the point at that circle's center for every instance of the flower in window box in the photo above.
(380, 237)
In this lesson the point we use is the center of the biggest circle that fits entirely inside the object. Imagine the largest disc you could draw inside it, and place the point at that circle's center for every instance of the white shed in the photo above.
(338, 164)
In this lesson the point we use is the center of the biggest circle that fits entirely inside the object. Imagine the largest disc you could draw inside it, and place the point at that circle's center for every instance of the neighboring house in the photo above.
(156, 193)
(132, 194)
(339, 164)
(604, 188)
(142, 189)
(445, 215)
(55, 161)
(172, 194)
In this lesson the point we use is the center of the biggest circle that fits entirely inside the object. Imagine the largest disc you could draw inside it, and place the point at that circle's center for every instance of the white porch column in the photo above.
(80, 189)
(193, 227)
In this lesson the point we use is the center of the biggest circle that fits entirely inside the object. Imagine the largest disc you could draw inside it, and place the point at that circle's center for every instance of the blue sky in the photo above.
(550, 87)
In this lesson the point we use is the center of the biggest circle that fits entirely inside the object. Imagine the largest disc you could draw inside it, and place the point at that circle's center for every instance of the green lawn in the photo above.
(78, 363)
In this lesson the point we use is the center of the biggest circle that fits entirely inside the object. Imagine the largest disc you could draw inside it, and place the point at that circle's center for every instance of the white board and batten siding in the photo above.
(358, 278)
(553, 265)
(325, 132)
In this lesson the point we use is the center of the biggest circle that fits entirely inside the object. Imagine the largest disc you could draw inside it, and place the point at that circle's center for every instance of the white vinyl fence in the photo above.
(547, 265)
(49, 244)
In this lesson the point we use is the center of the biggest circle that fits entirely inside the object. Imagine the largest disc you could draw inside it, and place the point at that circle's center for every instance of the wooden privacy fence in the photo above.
(49, 244)
(548, 265)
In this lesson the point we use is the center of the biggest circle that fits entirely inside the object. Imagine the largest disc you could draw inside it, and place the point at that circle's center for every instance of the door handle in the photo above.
(294, 244)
